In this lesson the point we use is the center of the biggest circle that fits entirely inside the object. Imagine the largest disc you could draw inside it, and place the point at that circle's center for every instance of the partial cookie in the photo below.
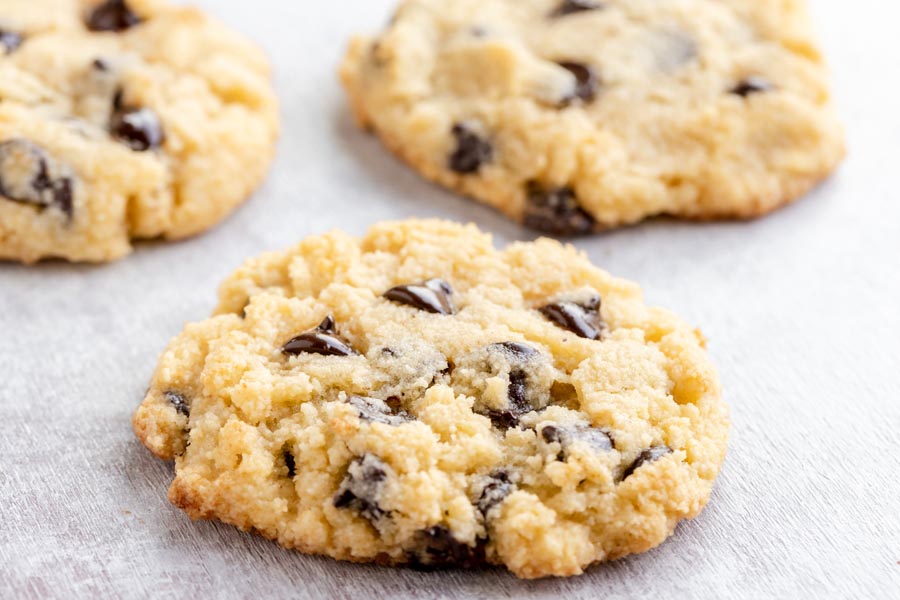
(123, 120)
(418, 397)
(573, 116)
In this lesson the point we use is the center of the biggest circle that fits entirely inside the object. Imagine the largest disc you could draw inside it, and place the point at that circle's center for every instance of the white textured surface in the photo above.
(802, 310)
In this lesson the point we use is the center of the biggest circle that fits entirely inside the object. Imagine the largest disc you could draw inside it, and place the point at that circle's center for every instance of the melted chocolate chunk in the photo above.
(568, 7)
(26, 177)
(112, 15)
(321, 340)
(438, 548)
(582, 319)
(471, 152)
(556, 211)
(495, 491)
(586, 82)
(361, 487)
(645, 457)
(377, 411)
(566, 435)
(752, 85)
(179, 402)
(138, 128)
(434, 296)
(290, 463)
(10, 41)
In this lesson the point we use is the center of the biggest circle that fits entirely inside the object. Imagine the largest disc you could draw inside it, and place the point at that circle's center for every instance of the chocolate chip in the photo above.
(517, 391)
(551, 434)
(26, 176)
(438, 548)
(495, 491)
(138, 128)
(503, 419)
(112, 15)
(556, 211)
(517, 406)
(645, 457)
(290, 463)
(321, 340)
(595, 438)
(582, 319)
(378, 411)
(586, 82)
(518, 381)
(434, 296)
(10, 41)
(179, 402)
(515, 350)
(752, 85)
(361, 487)
(568, 7)
(396, 405)
(566, 435)
(471, 152)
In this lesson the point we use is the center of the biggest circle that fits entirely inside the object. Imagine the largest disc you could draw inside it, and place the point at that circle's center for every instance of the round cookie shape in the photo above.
(574, 116)
(418, 397)
(123, 120)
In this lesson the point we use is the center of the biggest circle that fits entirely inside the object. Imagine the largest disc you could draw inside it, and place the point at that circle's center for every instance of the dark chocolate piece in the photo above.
(321, 340)
(582, 319)
(645, 457)
(471, 152)
(556, 211)
(112, 15)
(434, 296)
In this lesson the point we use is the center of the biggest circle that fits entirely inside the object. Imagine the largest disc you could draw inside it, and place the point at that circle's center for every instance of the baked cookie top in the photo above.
(124, 119)
(419, 397)
(577, 115)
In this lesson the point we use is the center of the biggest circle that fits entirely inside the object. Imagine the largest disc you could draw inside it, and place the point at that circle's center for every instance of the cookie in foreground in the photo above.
(572, 116)
(417, 397)
(123, 120)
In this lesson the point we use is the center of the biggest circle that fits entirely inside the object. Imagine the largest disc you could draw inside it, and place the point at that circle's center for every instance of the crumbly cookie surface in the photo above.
(419, 397)
(573, 116)
(123, 120)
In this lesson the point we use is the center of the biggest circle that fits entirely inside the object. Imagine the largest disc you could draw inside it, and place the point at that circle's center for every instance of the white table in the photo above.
(802, 310)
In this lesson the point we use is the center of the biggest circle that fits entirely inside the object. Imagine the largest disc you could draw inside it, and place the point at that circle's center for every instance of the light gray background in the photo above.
(801, 309)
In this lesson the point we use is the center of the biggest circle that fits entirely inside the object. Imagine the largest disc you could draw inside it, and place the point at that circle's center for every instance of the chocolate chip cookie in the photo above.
(123, 120)
(417, 397)
(572, 116)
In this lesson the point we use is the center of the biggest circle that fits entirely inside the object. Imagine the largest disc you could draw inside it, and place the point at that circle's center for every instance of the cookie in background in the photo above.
(574, 116)
(124, 120)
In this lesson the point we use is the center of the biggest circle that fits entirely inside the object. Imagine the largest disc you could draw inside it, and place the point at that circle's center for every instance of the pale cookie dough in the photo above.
(418, 397)
(123, 120)
(573, 116)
